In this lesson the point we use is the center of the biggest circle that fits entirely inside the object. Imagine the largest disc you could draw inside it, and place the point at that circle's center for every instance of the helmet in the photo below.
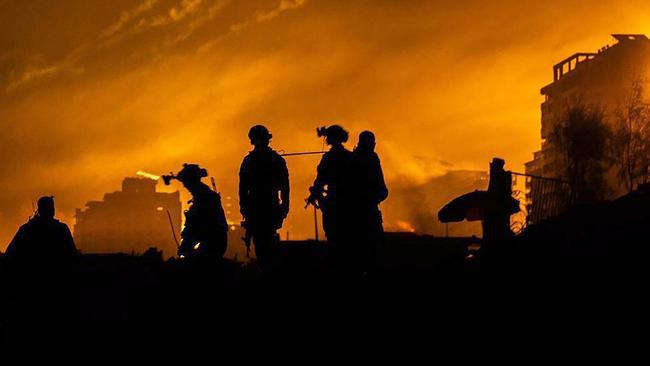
(189, 173)
(366, 140)
(334, 134)
(367, 137)
(259, 133)
(45, 206)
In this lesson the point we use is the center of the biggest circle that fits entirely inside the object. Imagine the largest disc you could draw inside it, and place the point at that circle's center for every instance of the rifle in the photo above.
(315, 198)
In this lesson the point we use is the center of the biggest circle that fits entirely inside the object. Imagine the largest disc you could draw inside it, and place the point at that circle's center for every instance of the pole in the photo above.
(303, 153)
(171, 225)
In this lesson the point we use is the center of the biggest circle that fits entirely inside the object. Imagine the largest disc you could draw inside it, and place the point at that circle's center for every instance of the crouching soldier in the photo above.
(205, 235)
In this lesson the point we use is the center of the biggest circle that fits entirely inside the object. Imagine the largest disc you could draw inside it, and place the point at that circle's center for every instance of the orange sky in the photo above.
(92, 91)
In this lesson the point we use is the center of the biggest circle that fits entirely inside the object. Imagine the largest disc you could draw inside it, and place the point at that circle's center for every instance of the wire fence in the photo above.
(544, 197)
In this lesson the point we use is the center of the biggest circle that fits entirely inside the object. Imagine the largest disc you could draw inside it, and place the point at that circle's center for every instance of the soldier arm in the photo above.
(320, 181)
(284, 188)
(382, 189)
(70, 247)
(14, 246)
(317, 189)
(244, 184)
(509, 183)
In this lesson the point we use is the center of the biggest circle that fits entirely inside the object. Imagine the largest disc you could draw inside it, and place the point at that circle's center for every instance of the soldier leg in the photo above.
(496, 229)
(365, 249)
(504, 227)
(488, 231)
(371, 248)
(215, 246)
(331, 262)
(266, 248)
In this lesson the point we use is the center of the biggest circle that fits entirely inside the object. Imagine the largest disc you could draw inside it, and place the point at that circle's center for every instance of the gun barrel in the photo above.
(303, 153)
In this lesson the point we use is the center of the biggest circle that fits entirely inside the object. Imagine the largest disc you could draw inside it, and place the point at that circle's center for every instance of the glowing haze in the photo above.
(93, 91)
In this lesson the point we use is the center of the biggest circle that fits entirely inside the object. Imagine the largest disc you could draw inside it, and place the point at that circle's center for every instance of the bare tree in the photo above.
(630, 143)
(581, 139)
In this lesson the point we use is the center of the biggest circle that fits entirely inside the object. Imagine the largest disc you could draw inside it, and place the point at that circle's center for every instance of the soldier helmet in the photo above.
(367, 138)
(45, 206)
(334, 134)
(191, 172)
(259, 132)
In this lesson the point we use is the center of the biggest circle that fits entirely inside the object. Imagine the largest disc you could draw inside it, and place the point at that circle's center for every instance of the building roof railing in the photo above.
(571, 63)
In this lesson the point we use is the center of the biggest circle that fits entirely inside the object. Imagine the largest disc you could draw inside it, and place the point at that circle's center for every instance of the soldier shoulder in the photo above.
(247, 159)
(375, 158)
(279, 159)
(26, 226)
(215, 195)
(327, 156)
(61, 225)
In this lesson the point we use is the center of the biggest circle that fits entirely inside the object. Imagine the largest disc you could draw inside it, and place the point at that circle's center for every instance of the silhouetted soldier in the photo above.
(205, 235)
(496, 220)
(43, 240)
(331, 191)
(369, 191)
(263, 196)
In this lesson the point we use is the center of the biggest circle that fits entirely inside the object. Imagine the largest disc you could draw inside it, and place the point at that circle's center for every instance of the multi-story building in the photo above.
(131, 220)
(601, 79)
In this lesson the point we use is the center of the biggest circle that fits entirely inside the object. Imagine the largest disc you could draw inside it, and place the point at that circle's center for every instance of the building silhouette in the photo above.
(600, 79)
(131, 220)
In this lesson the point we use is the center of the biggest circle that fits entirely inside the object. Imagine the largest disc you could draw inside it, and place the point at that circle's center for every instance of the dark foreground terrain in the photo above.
(596, 254)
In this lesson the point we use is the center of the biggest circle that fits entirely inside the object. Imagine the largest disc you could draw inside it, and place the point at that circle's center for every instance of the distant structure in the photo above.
(595, 79)
(131, 220)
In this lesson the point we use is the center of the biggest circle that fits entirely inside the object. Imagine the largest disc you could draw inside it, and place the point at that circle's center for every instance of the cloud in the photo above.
(32, 74)
(260, 17)
(174, 14)
(201, 21)
(283, 6)
(67, 63)
(186, 7)
(256, 18)
(109, 36)
(126, 17)
(118, 32)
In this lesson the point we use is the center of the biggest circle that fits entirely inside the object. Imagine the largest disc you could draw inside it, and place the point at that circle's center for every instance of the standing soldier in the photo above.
(205, 235)
(496, 221)
(331, 192)
(369, 191)
(263, 196)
